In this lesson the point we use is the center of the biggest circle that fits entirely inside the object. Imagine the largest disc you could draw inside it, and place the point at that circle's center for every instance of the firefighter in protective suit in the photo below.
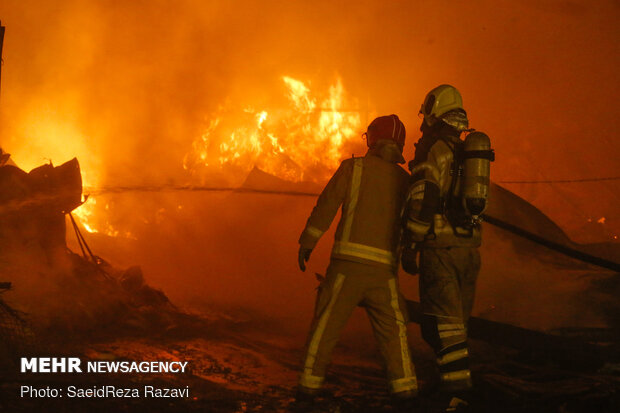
(447, 195)
(364, 259)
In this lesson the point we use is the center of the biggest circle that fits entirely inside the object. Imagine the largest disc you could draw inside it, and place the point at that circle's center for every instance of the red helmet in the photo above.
(386, 127)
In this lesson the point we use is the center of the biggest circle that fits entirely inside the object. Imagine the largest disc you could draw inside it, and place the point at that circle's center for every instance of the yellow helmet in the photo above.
(439, 102)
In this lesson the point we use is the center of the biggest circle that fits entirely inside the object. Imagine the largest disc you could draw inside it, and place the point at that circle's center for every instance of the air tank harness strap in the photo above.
(486, 154)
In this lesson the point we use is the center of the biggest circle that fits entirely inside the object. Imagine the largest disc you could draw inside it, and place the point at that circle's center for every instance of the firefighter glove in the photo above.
(304, 256)
(409, 260)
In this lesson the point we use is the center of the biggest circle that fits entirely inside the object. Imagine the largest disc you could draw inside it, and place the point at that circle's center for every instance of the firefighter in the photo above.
(364, 259)
(447, 195)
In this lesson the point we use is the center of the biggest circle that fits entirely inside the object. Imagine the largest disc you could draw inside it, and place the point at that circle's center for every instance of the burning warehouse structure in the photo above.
(203, 175)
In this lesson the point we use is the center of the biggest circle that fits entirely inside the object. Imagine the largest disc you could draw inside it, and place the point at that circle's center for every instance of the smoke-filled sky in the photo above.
(127, 87)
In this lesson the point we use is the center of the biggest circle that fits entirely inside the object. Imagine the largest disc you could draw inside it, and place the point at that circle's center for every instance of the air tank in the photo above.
(476, 172)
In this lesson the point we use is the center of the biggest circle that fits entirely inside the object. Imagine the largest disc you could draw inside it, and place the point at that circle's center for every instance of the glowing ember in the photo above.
(304, 141)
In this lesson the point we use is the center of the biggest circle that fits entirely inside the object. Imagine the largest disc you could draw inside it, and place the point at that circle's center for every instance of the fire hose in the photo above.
(562, 249)
(499, 223)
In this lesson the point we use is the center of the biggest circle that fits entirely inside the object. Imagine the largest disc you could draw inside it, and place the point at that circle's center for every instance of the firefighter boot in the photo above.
(405, 402)
(305, 400)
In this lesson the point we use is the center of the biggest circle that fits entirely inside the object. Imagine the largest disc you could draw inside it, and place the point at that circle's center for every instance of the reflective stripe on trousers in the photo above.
(453, 358)
(337, 300)
(307, 379)
(409, 381)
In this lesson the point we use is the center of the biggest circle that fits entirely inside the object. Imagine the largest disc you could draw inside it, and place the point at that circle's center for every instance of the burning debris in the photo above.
(61, 293)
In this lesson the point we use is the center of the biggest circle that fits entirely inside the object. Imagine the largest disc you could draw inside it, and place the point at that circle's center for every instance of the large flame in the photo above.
(303, 141)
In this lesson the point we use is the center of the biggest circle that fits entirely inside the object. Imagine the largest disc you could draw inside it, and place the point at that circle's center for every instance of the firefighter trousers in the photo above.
(447, 288)
(347, 285)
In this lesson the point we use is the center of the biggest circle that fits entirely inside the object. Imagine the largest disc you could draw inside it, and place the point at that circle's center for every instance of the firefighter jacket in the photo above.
(371, 191)
(433, 195)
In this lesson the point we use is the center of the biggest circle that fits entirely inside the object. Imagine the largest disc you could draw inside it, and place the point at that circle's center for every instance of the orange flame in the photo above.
(304, 141)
